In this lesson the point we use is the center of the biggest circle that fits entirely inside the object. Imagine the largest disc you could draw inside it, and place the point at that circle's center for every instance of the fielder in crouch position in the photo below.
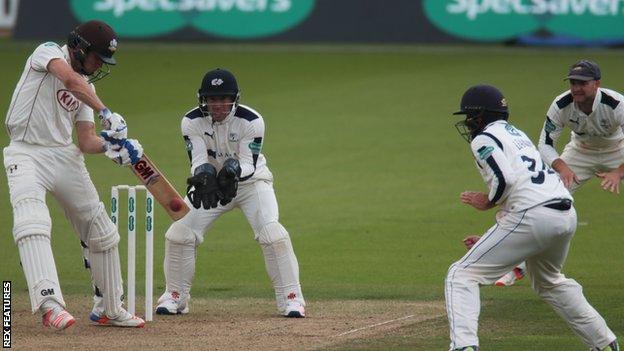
(595, 117)
(223, 140)
(54, 94)
(536, 223)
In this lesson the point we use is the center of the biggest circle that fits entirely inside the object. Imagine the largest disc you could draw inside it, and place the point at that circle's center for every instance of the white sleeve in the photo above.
(551, 131)
(85, 113)
(249, 148)
(43, 54)
(497, 171)
(195, 145)
(620, 115)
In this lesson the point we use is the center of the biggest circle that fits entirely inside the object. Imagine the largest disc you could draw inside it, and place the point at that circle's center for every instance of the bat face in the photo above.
(159, 186)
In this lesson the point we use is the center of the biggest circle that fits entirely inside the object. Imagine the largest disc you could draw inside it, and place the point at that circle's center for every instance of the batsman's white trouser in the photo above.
(585, 163)
(541, 236)
(259, 205)
(33, 170)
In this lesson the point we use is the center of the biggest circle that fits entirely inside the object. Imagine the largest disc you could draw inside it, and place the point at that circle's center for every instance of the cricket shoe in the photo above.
(510, 278)
(468, 348)
(613, 346)
(294, 309)
(98, 308)
(57, 318)
(172, 304)
(123, 319)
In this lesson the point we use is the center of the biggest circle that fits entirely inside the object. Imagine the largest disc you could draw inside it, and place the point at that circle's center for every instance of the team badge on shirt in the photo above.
(67, 100)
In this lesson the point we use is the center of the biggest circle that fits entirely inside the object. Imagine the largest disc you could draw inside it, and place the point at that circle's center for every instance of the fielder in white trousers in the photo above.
(542, 237)
(535, 223)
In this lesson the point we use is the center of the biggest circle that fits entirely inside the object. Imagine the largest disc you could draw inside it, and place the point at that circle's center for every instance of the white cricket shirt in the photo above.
(600, 131)
(239, 136)
(512, 168)
(42, 111)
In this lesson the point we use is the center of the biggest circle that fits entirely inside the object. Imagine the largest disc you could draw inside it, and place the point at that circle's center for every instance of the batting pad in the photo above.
(31, 217)
(106, 272)
(104, 261)
(102, 234)
(40, 270)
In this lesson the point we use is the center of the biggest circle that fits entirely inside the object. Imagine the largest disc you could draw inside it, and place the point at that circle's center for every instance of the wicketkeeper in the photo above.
(223, 140)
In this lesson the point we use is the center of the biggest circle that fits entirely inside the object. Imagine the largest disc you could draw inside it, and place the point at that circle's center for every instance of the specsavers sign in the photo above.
(225, 18)
(495, 20)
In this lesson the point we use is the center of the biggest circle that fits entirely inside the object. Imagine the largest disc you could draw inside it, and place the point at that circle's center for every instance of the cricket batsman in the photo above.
(223, 140)
(54, 95)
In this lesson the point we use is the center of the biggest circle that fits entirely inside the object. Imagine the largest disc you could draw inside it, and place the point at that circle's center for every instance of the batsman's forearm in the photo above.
(83, 92)
(93, 146)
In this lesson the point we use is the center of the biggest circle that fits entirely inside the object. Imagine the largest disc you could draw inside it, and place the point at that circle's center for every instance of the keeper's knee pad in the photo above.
(103, 234)
(271, 233)
(179, 233)
(30, 217)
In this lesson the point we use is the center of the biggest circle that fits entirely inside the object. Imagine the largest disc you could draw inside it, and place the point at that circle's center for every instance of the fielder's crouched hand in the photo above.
(124, 152)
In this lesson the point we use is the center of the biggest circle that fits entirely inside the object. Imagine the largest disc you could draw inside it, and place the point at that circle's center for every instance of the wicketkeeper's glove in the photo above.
(203, 187)
(227, 179)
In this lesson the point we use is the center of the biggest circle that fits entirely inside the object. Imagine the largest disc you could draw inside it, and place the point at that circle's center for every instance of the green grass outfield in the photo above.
(368, 170)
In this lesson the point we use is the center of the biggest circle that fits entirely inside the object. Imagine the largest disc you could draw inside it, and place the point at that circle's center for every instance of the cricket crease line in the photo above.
(374, 325)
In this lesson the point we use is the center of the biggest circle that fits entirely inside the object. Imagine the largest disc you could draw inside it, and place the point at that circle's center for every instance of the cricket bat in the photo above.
(166, 195)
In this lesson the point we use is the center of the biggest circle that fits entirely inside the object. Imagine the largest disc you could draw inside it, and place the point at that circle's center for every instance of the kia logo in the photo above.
(67, 100)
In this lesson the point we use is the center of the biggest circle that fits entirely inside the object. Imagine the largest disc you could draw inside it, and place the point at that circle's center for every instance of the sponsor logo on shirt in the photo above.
(67, 100)
(550, 126)
(485, 152)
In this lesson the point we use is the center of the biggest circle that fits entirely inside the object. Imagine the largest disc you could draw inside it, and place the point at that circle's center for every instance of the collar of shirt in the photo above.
(225, 121)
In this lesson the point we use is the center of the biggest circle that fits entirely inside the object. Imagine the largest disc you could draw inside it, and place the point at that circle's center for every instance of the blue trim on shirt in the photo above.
(501, 179)
(494, 138)
(245, 113)
(565, 101)
(609, 101)
(194, 113)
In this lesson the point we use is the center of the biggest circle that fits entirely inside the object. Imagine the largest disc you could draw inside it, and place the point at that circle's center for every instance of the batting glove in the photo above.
(114, 129)
(130, 152)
